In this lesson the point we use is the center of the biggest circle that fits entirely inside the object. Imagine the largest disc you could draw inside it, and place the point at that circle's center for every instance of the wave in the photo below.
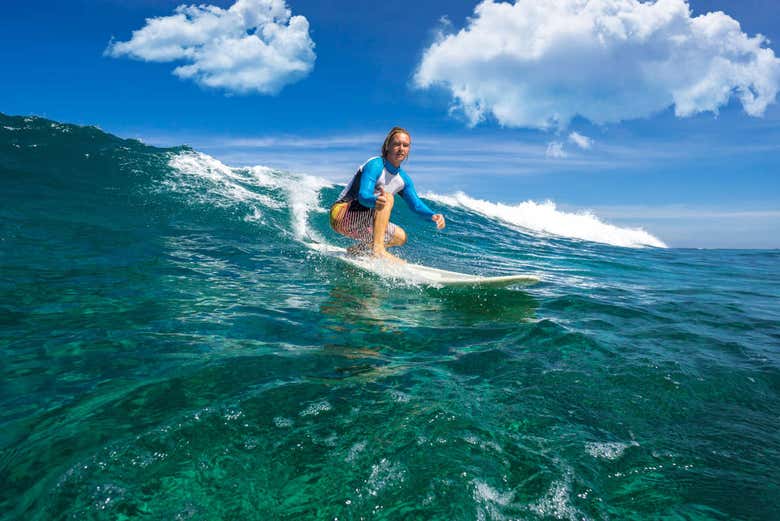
(87, 160)
(261, 189)
(546, 218)
(257, 188)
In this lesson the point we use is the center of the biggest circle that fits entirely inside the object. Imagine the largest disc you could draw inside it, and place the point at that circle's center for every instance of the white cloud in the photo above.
(584, 142)
(555, 150)
(539, 63)
(253, 46)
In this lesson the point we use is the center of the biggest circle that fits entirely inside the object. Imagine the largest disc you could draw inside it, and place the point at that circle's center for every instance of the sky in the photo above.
(661, 115)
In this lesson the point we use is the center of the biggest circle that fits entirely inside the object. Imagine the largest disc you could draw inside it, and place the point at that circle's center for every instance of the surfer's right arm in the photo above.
(371, 172)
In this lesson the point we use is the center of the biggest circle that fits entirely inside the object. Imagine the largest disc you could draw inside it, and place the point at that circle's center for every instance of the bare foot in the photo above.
(385, 255)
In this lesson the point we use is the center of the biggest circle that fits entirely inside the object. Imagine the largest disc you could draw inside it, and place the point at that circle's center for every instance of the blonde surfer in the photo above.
(362, 210)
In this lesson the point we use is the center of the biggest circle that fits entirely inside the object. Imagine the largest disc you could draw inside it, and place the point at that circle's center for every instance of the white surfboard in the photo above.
(423, 275)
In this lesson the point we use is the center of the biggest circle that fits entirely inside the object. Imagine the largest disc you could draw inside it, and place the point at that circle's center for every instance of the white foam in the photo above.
(546, 218)
(490, 502)
(355, 451)
(302, 192)
(557, 503)
(233, 414)
(315, 409)
(608, 450)
(229, 185)
(484, 493)
(226, 182)
(384, 474)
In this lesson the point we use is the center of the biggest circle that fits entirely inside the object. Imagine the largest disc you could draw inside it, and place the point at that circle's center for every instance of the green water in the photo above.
(170, 348)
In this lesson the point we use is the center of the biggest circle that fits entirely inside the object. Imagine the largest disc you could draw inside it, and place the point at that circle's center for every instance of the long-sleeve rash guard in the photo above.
(378, 173)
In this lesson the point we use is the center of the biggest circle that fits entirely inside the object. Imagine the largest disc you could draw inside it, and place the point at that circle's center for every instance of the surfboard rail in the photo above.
(424, 275)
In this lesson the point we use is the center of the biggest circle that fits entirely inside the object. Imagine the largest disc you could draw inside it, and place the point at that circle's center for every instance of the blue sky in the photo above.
(506, 103)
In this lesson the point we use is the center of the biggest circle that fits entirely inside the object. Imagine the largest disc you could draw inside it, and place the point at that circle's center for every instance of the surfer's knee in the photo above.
(398, 238)
(401, 234)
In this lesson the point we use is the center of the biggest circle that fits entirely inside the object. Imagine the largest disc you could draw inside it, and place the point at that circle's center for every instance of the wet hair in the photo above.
(389, 138)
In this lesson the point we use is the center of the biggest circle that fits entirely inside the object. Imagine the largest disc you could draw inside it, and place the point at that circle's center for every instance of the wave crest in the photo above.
(547, 218)
(260, 188)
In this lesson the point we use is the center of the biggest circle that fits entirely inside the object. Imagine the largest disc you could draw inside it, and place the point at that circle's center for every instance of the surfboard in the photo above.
(424, 275)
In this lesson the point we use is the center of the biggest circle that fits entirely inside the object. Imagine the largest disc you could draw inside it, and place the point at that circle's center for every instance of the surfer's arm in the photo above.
(409, 195)
(371, 172)
(439, 220)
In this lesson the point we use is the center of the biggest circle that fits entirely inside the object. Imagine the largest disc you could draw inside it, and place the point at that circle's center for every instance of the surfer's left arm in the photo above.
(439, 220)
(417, 205)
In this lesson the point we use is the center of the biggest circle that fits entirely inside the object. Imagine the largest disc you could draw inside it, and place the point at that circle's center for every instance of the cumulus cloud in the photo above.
(539, 63)
(584, 142)
(555, 150)
(253, 46)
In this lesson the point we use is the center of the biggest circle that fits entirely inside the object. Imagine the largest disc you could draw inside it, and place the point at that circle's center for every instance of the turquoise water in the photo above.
(171, 347)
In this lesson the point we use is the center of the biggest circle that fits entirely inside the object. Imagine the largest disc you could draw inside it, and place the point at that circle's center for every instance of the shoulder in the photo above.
(374, 163)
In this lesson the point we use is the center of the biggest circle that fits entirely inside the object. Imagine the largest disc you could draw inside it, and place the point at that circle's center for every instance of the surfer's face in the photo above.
(398, 150)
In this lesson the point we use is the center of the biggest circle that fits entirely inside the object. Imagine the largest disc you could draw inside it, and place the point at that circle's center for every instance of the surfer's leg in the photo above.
(398, 238)
(381, 220)
(350, 221)
(338, 213)
(394, 236)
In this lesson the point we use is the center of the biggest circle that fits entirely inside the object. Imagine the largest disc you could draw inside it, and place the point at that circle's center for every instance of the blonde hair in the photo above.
(393, 132)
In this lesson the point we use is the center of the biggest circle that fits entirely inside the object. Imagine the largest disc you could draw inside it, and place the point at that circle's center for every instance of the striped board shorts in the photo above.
(354, 220)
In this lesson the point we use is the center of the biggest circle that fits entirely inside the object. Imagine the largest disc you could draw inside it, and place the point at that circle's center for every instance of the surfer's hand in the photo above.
(381, 199)
(439, 220)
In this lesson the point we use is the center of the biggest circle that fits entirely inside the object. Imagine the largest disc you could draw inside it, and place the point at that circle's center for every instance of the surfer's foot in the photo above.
(385, 255)
(359, 250)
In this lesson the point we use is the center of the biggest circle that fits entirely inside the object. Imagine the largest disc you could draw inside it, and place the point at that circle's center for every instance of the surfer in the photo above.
(362, 210)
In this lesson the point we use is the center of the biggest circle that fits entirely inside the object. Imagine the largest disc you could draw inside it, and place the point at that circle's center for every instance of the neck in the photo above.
(392, 167)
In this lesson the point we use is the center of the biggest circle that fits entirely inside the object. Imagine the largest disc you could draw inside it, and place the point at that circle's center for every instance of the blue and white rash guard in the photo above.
(376, 173)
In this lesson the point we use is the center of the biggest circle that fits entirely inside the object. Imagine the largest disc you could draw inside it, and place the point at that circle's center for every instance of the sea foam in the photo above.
(547, 218)
(231, 185)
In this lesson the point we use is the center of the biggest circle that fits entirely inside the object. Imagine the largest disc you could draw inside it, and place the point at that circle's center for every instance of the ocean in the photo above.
(173, 347)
